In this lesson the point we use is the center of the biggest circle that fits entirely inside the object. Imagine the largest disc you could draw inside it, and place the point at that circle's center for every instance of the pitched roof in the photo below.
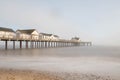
(76, 38)
(27, 31)
(46, 34)
(6, 29)
(56, 36)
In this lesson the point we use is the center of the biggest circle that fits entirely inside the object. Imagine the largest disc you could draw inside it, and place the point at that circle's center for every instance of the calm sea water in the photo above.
(95, 59)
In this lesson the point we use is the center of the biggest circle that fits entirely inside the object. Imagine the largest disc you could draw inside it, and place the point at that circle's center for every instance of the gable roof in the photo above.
(6, 29)
(46, 34)
(76, 38)
(27, 31)
(55, 35)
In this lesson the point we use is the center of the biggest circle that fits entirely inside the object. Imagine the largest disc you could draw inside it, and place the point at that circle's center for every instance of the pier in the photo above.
(33, 39)
(43, 43)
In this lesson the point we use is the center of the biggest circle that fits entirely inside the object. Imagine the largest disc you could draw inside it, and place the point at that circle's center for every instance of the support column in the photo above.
(42, 44)
(26, 44)
(35, 44)
(67, 44)
(39, 44)
(31, 44)
(48, 43)
(87, 44)
(63, 44)
(90, 43)
(13, 44)
(6, 45)
(56, 44)
(45, 44)
(20, 44)
(60, 44)
(53, 44)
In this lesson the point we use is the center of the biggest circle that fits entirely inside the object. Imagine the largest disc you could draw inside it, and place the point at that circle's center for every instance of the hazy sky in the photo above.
(91, 20)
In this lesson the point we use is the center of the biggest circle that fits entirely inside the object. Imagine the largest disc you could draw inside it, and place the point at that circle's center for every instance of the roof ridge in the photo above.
(6, 29)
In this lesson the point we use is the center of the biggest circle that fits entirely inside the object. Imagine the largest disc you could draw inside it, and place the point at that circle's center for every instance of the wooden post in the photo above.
(26, 44)
(51, 44)
(54, 44)
(6, 45)
(31, 44)
(67, 44)
(63, 44)
(39, 44)
(48, 43)
(42, 44)
(90, 43)
(57, 44)
(13, 44)
(34, 44)
(87, 43)
(20, 44)
(45, 43)
(60, 44)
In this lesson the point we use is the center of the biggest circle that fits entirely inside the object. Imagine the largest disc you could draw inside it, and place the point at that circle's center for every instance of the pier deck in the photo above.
(38, 43)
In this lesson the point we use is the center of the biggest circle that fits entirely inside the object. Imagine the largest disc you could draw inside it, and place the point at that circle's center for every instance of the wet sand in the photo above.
(17, 74)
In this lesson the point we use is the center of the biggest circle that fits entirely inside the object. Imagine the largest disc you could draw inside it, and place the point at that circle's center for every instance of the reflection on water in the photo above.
(113, 52)
(101, 60)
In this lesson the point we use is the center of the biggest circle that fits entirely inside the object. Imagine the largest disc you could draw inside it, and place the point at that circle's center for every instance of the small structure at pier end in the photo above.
(76, 39)
(7, 33)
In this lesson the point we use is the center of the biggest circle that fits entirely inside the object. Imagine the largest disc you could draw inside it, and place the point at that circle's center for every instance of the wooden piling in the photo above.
(13, 44)
(20, 44)
(6, 44)
(31, 44)
(46, 44)
(26, 44)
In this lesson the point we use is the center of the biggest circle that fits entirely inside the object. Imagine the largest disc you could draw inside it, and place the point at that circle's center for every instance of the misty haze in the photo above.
(59, 40)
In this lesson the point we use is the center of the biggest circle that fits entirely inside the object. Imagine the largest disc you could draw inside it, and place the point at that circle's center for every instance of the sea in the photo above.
(100, 60)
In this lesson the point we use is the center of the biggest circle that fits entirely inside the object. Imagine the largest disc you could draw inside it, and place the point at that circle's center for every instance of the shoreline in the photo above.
(22, 74)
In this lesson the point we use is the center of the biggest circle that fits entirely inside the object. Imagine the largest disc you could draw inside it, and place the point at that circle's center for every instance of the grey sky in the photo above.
(91, 20)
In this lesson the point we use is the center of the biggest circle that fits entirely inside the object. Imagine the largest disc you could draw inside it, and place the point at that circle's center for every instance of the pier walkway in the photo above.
(42, 43)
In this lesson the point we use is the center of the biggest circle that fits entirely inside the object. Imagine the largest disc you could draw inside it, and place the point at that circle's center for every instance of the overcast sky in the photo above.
(91, 20)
